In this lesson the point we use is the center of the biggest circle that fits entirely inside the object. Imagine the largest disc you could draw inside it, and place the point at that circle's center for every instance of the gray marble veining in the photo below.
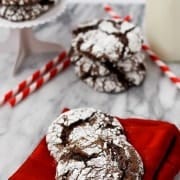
(22, 128)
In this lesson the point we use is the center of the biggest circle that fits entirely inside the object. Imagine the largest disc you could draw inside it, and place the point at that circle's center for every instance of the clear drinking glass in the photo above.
(162, 28)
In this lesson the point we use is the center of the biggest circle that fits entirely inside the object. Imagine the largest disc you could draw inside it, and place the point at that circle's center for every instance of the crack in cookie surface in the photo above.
(107, 40)
(103, 50)
(108, 76)
(93, 146)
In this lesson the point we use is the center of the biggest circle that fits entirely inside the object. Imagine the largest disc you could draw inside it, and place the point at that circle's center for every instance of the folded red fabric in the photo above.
(157, 142)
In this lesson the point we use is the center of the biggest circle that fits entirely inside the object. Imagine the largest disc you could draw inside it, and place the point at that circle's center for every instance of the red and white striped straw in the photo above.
(33, 77)
(115, 15)
(111, 12)
(39, 83)
(162, 66)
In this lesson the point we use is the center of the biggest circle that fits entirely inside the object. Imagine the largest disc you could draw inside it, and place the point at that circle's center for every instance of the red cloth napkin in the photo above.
(157, 142)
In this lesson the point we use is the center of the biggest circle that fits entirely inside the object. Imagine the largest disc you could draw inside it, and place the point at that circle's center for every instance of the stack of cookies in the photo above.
(107, 55)
(89, 144)
(23, 10)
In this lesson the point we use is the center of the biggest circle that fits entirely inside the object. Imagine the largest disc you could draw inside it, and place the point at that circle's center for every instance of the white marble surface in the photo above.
(108, 1)
(22, 128)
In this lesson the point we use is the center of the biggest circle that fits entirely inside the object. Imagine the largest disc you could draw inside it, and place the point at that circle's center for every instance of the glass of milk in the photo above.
(162, 28)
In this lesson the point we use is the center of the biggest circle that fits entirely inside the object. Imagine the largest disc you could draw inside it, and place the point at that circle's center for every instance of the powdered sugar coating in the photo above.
(105, 166)
(84, 65)
(110, 77)
(108, 84)
(89, 144)
(23, 13)
(107, 55)
(19, 2)
(108, 40)
(101, 44)
(91, 132)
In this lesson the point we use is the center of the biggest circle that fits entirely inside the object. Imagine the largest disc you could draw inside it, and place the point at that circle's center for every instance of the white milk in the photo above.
(162, 26)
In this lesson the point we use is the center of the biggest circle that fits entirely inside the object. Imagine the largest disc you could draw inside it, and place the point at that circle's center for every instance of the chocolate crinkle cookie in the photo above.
(19, 2)
(24, 10)
(107, 55)
(88, 144)
(22, 2)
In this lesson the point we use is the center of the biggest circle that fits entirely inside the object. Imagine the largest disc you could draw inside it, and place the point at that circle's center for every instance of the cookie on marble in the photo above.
(110, 77)
(89, 144)
(23, 13)
(107, 40)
